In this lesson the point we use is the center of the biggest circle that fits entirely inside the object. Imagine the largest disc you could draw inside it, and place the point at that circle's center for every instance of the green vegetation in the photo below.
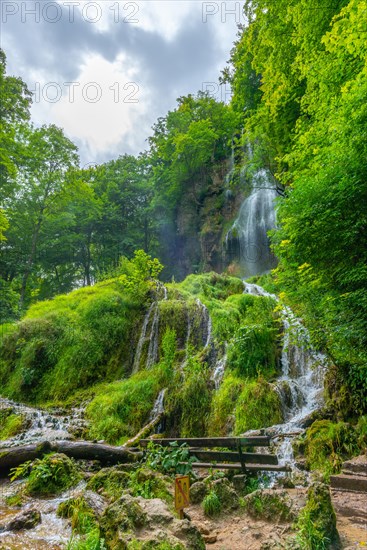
(211, 504)
(52, 474)
(258, 406)
(268, 505)
(11, 424)
(327, 444)
(316, 523)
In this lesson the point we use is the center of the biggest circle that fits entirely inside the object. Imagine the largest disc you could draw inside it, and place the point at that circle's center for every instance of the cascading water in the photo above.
(247, 239)
(300, 387)
(152, 356)
(142, 338)
(218, 371)
(44, 425)
(207, 323)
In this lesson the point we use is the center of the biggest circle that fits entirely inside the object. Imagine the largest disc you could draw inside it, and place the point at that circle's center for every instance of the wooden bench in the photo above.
(234, 459)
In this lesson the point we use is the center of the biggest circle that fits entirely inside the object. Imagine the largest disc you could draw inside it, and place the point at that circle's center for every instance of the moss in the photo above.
(11, 424)
(268, 505)
(257, 407)
(82, 517)
(327, 444)
(121, 517)
(153, 545)
(221, 418)
(188, 406)
(120, 409)
(316, 523)
(53, 474)
(111, 481)
(14, 500)
(69, 343)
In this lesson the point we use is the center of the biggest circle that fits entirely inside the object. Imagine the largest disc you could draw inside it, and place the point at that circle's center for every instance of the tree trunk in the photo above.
(107, 454)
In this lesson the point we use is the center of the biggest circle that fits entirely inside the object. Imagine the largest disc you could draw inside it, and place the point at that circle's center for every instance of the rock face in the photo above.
(25, 520)
(148, 521)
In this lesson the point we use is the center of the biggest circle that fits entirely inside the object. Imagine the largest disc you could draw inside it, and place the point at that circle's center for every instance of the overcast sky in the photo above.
(106, 70)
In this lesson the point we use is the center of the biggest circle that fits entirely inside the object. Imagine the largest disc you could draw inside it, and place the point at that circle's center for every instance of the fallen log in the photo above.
(144, 431)
(106, 454)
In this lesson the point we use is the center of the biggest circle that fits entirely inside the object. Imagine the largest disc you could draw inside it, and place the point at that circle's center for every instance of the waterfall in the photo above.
(300, 386)
(248, 237)
(152, 356)
(218, 371)
(142, 338)
(158, 407)
(207, 323)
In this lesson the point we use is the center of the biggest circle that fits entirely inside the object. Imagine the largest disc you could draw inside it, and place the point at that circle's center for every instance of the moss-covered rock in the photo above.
(226, 494)
(198, 490)
(316, 524)
(52, 474)
(327, 444)
(269, 504)
(121, 518)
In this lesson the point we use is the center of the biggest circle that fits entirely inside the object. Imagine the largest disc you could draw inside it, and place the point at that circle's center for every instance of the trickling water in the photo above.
(249, 231)
(207, 323)
(300, 387)
(218, 372)
(158, 407)
(142, 338)
(152, 356)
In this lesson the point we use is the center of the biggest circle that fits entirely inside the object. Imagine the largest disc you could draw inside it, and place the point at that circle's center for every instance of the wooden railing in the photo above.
(236, 458)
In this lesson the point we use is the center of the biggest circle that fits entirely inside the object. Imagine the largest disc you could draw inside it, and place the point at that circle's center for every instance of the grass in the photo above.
(212, 505)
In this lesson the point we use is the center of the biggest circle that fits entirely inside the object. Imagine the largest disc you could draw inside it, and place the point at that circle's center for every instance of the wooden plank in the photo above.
(226, 442)
(248, 467)
(221, 456)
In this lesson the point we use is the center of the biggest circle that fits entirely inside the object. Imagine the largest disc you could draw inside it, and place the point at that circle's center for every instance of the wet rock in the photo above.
(25, 520)
(198, 491)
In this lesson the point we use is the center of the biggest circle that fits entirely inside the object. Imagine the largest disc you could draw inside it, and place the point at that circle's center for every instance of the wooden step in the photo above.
(238, 466)
(356, 466)
(210, 442)
(349, 483)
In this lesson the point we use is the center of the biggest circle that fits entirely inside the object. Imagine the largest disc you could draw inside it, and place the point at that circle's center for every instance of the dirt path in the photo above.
(239, 531)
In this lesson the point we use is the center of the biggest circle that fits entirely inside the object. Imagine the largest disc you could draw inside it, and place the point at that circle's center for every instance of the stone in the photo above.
(226, 493)
(210, 539)
(156, 511)
(198, 491)
(25, 520)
